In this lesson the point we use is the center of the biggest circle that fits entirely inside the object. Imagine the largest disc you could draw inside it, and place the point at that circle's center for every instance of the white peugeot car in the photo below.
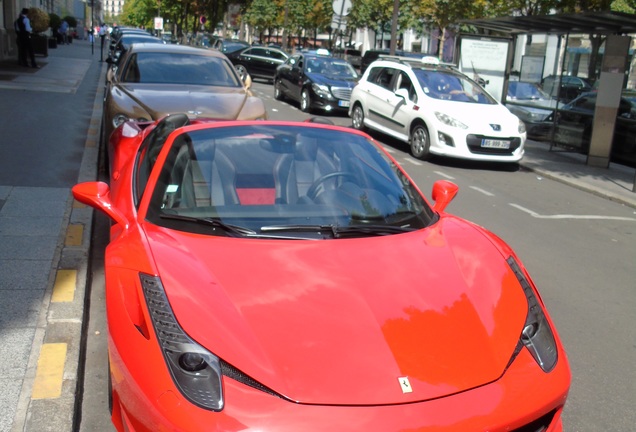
(437, 110)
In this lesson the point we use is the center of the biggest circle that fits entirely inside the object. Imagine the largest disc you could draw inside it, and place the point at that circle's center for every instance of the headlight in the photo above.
(195, 371)
(123, 118)
(119, 119)
(536, 335)
(522, 126)
(450, 121)
(321, 90)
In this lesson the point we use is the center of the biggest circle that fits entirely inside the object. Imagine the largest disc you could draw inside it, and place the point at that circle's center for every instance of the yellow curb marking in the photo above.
(64, 287)
(50, 372)
(74, 235)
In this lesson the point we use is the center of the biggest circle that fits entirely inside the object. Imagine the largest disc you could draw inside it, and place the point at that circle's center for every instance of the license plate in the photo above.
(491, 143)
(343, 103)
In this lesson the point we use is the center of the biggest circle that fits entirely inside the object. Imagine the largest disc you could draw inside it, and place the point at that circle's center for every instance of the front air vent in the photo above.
(231, 372)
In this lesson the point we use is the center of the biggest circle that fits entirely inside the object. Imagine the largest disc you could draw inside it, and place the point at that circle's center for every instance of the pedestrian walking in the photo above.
(25, 47)
(63, 31)
(102, 38)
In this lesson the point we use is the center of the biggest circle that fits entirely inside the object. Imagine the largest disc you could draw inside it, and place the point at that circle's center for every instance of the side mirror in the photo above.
(443, 193)
(97, 195)
(247, 81)
(403, 93)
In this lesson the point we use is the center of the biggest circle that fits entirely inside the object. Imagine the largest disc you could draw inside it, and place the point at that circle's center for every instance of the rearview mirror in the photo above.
(247, 81)
(443, 193)
(403, 93)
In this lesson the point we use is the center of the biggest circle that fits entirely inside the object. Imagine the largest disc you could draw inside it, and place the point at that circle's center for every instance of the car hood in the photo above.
(333, 81)
(197, 101)
(480, 118)
(340, 321)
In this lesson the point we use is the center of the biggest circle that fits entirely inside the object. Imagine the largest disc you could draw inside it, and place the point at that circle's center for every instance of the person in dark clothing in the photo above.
(25, 47)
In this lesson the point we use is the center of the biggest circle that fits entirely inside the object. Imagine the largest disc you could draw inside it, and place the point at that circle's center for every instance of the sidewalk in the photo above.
(29, 318)
(615, 183)
(50, 120)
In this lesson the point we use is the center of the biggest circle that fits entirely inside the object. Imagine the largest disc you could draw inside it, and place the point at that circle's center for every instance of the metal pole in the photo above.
(342, 6)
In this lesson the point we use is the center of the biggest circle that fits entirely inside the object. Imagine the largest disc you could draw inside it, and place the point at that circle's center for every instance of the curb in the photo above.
(59, 335)
(603, 193)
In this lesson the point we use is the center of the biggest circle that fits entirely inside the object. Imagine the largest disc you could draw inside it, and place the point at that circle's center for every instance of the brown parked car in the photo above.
(154, 80)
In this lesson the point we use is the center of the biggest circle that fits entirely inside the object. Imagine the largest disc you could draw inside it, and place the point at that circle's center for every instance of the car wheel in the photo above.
(420, 142)
(305, 101)
(278, 93)
(357, 117)
(241, 71)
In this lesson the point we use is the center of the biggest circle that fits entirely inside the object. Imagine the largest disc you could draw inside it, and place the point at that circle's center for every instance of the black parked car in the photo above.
(316, 81)
(571, 87)
(228, 46)
(573, 126)
(258, 61)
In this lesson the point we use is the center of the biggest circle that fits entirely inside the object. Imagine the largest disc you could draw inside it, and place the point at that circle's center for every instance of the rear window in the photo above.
(173, 68)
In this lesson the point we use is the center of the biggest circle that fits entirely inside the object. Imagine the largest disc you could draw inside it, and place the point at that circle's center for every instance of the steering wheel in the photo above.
(312, 192)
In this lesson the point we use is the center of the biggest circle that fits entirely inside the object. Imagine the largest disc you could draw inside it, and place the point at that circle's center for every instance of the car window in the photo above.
(331, 67)
(257, 51)
(357, 183)
(277, 55)
(448, 85)
(403, 81)
(383, 77)
(150, 149)
(526, 91)
(173, 68)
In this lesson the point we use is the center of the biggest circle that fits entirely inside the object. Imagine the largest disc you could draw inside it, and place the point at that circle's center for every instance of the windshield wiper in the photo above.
(211, 221)
(341, 231)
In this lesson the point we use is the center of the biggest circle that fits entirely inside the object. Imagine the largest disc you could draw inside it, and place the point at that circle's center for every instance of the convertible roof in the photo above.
(588, 23)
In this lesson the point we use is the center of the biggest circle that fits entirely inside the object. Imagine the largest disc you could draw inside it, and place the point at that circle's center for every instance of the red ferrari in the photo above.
(280, 276)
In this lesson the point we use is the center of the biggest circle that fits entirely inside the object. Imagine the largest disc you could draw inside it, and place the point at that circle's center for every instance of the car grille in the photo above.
(474, 145)
(539, 425)
(343, 93)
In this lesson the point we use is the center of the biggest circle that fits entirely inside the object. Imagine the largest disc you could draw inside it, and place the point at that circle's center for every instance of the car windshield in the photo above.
(177, 68)
(449, 85)
(283, 181)
(330, 67)
(518, 90)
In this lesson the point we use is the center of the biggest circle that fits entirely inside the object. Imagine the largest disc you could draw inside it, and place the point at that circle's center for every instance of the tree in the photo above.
(263, 15)
(372, 14)
(444, 14)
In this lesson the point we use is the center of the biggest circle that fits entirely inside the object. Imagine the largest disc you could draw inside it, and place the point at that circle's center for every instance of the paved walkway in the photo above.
(49, 118)
(44, 241)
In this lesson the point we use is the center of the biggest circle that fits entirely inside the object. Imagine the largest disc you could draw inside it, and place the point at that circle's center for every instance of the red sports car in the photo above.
(280, 276)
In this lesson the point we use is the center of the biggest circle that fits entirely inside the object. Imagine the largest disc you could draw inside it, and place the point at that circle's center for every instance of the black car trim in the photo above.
(389, 119)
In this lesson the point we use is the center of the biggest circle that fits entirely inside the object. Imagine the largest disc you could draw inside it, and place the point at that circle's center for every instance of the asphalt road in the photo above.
(579, 248)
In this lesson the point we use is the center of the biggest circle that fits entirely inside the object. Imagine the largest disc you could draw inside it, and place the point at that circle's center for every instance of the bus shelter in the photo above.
(601, 125)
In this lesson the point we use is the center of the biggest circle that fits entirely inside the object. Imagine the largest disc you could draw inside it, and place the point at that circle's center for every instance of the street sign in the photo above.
(342, 7)
(158, 23)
